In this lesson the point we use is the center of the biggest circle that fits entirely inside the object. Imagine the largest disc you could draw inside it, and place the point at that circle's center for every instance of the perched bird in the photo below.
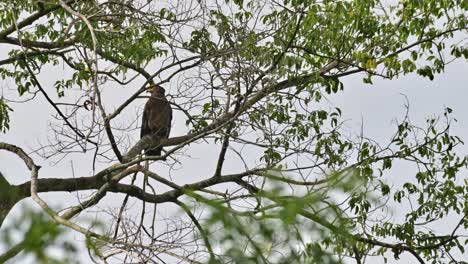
(157, 117)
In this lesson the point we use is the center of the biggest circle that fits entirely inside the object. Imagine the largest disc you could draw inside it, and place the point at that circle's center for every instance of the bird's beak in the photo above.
(150, 89)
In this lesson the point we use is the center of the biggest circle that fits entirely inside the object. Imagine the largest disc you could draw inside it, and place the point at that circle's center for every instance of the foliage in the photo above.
(248, 79)
(4, 116)
(40, 238)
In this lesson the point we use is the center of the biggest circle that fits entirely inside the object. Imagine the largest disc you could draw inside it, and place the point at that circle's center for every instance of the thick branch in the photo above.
(39, 44)
(20, 153)
(148, 141)
(9, 195)
(8, 198)
(396, 248)
(171, 196)
(23, 56)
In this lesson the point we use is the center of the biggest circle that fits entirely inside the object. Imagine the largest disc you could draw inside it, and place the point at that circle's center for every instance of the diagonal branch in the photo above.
(200, 228)
(49, 100)
(29, 20)
(220, 122)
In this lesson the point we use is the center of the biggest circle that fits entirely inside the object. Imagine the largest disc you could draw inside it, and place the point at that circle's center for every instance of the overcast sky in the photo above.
(374, 107)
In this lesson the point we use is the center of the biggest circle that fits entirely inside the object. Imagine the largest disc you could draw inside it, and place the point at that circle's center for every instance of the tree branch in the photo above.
(8, 198)
(29, 20)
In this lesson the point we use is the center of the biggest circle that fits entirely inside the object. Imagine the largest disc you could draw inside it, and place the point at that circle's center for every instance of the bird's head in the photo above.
(155, 90)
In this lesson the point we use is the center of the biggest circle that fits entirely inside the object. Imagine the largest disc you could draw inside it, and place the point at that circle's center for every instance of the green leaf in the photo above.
(4, 116)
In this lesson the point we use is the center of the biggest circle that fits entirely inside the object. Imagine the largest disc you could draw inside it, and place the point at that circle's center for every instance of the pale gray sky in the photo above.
(375, 107)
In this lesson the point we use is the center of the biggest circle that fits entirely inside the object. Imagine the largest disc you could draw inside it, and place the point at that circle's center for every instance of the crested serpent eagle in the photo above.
(157, 117)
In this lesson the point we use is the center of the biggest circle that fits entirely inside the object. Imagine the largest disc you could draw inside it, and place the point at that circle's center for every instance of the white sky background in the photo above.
(372, 107)
(375, 107)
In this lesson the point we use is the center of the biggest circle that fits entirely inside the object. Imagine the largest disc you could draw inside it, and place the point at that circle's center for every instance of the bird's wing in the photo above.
(169, 122)
(145, 128)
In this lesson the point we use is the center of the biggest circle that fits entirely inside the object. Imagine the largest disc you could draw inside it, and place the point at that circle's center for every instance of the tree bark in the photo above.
(9, 196)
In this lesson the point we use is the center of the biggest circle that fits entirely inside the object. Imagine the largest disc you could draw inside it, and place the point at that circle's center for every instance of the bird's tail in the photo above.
(154, 151)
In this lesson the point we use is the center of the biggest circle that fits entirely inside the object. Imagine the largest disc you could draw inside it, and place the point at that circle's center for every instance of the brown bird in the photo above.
(157, 118)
